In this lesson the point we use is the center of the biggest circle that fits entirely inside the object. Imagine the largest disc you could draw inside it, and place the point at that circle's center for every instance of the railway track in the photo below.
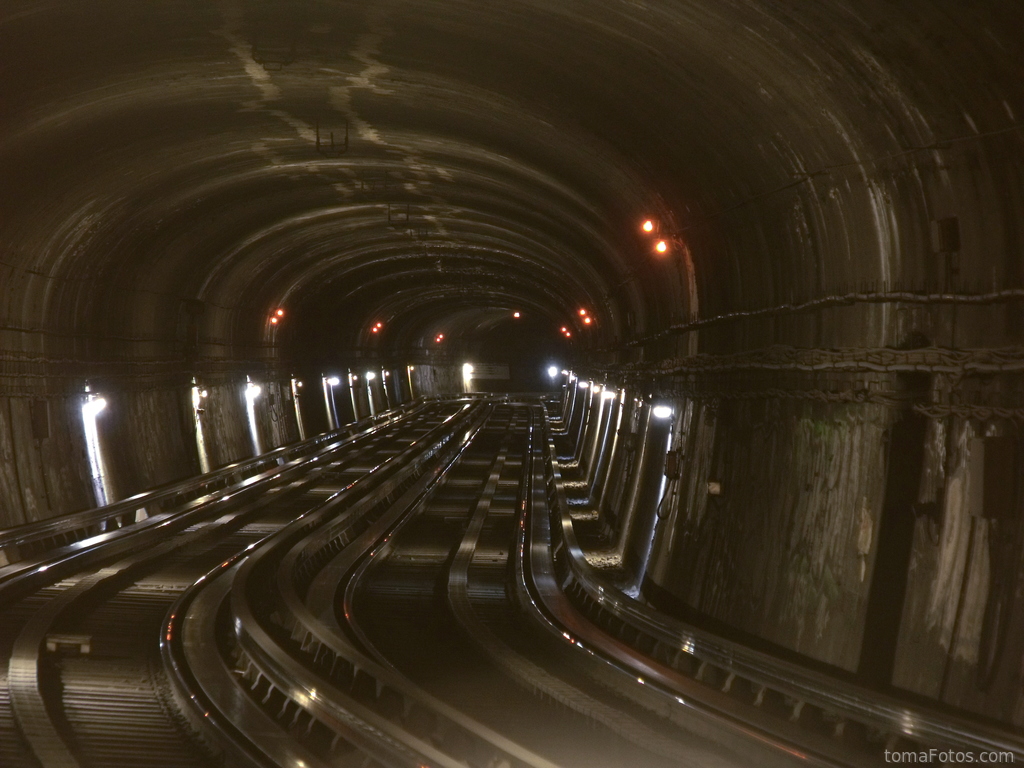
(407, 592)
(470, 646)
(84, 680)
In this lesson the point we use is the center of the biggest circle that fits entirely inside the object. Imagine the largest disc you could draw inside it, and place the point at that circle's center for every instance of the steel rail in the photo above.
(711, 737)
(539, 588)
(36, 717)
(526, 673)
(32, 711)
(323, 635)
(31, 541)
(725, 666)
(206, 685)
(263, 658)
(31, 573)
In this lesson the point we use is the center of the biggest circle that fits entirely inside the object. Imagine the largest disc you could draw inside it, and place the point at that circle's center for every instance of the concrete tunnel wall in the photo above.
(783, 548)
(148, 437)
(840, 185)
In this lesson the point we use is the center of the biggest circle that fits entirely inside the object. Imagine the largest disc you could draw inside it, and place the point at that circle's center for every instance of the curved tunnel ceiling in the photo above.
(162, 158)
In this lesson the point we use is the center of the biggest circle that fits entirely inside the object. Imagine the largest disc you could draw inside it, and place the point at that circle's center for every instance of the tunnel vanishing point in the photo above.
(797, 225)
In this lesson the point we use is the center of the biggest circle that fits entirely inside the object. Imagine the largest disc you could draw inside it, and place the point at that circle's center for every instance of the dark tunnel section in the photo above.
(231, 226)
(895, 545)
(530, 350)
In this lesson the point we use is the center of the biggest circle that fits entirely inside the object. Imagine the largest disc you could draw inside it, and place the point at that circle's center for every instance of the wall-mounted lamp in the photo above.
(252, 391)
(299, 423)
(329, 383)
(662, 412)
(91, 408)
(198, 396)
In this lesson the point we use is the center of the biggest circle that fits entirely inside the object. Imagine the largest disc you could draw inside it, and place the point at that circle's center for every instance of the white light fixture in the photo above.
(370, 394)
(252, 391)
(467, 370)
(93, 407)
(296, 386)
(328, 383)
(610, 394)
(198, 395)
(90, 409)
(661, 412)
(584, 384)
(552, 371)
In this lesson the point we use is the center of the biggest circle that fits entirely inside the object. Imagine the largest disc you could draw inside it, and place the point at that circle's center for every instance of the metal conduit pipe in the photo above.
(401, 385)
(610, 484)
(642, 514)
(579, 417)
(592, 439)
(598, 480)
(625, 504)
(568, 403)
(357, 390)
(585, 424)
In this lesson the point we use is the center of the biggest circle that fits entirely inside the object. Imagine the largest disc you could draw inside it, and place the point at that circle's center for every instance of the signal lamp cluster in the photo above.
(650, 227)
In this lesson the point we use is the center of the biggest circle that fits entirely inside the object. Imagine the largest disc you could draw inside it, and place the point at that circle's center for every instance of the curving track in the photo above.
(82, 679)
(406, 592)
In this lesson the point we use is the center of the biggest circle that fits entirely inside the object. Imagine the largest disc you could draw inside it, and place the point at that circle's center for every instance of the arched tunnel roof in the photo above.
(430, 164)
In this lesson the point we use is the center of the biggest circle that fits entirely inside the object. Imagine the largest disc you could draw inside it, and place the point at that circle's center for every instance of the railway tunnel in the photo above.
(762, 260)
